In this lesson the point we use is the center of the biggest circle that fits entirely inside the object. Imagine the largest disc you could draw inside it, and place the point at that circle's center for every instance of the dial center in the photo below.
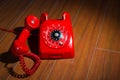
(55, 35)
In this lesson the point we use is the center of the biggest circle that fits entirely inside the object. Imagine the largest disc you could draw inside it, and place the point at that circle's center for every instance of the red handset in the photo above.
(20, 48)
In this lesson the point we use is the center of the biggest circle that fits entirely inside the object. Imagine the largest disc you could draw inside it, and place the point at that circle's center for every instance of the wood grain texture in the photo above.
(11, 9)
(105, 66)
(96, 39)
(110, 34)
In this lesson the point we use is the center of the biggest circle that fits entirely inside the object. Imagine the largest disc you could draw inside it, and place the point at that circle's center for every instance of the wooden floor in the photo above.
(96, 27)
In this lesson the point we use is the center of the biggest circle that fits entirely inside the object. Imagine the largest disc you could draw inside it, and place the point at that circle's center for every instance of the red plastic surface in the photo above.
(62, 48)
(20, 49)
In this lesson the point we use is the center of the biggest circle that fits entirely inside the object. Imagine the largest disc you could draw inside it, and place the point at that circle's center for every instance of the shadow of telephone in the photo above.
(55, 40)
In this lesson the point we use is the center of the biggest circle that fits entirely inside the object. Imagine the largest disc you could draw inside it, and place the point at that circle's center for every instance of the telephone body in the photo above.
(55, 40)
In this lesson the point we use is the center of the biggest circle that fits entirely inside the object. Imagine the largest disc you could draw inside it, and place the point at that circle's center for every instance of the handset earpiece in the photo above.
(19, 47)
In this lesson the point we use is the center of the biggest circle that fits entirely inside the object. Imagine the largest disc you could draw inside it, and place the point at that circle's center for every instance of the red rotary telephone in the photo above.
(55, 40)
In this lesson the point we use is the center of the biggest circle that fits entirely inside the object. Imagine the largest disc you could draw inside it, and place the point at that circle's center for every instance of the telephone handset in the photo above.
(20, 49)
(55, 40)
